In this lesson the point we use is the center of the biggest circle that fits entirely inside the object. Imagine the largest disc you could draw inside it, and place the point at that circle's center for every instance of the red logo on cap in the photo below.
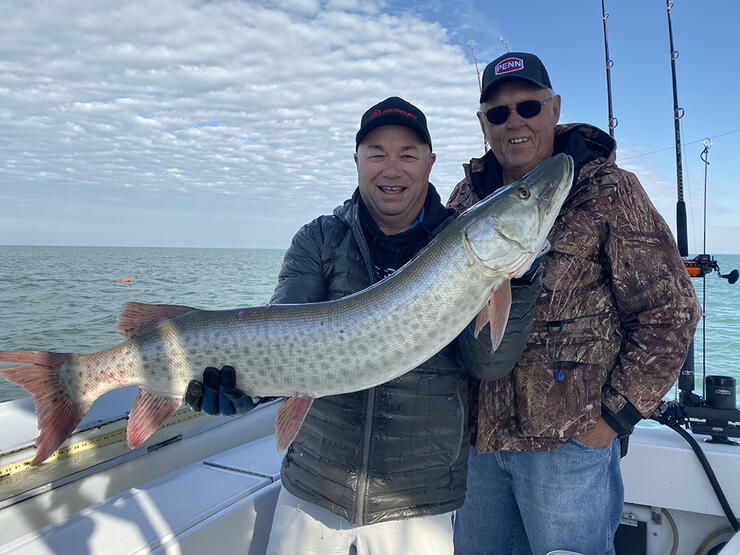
(508, 65)
(377, 113)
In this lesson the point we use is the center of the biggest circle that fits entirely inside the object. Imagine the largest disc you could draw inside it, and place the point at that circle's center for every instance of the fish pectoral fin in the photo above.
(498, 313)
(290, 417)
(495, 312)
(482, 318)
(149, 413)
(135, 317)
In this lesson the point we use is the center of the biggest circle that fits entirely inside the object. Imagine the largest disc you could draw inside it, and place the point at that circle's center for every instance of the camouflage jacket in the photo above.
(615, 317)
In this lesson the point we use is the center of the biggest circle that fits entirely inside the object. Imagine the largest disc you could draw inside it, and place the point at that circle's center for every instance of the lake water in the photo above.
(68, 298)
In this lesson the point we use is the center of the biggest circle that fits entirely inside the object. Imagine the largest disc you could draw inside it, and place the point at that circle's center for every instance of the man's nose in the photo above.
(514, 120)
(392, 167)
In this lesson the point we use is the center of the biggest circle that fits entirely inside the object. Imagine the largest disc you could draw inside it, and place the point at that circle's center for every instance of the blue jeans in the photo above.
(519, 503)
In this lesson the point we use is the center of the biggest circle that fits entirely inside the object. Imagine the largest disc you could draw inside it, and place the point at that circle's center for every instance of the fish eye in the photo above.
(523, 193)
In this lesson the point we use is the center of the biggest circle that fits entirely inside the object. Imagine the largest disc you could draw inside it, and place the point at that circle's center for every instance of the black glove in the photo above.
(218, 394)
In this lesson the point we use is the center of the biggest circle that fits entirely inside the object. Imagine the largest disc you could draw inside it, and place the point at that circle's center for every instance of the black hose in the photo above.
(710, 474)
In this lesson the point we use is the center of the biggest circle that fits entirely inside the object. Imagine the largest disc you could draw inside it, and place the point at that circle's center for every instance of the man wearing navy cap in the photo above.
(611, 330)
(381, 471)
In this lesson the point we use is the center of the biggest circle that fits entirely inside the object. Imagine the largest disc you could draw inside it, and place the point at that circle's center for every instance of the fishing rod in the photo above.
(480, 87)
(703, 264)
(681, 236)
(715, 413)
(612, 120)
(700, 266)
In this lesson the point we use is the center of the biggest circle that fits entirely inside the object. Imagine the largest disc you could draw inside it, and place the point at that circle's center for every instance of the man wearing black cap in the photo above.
(381, 471)
(611, 331)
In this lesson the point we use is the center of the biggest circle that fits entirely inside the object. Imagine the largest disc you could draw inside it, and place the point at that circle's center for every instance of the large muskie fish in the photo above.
(308, 350)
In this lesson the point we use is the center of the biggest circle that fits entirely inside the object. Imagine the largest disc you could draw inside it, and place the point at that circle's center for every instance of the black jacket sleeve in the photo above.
(301, 278)
(474, 355)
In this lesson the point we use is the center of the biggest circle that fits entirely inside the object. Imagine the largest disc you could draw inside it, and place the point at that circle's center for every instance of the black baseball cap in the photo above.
(394, 111)
(520, 65)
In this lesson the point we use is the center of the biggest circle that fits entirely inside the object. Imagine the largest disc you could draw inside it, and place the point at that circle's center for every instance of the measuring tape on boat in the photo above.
(13, 472)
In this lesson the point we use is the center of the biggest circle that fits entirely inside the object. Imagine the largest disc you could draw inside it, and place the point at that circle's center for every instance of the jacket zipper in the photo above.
(363, 476)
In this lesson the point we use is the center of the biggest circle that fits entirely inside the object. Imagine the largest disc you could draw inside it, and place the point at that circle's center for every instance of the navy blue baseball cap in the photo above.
(394, 111)
(519, 65)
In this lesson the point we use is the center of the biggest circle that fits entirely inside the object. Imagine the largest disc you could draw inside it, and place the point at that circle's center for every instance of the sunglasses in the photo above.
(526, 108)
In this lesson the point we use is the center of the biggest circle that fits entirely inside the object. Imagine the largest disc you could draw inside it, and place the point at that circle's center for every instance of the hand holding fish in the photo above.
(217, 394)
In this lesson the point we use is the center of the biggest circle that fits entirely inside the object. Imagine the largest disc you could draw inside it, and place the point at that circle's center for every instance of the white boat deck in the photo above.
(171, 500)
(661, 470)
(113, 405)
(227, 499)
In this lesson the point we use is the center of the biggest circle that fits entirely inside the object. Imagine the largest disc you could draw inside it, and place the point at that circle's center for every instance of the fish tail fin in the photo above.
(58, 415)
(149, 413)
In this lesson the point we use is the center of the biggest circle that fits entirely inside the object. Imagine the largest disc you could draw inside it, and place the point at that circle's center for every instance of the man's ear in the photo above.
(432, 159)
(556, 108)
(481, 120)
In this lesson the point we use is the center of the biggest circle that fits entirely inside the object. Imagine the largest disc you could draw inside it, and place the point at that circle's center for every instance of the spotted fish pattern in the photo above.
(301, 350)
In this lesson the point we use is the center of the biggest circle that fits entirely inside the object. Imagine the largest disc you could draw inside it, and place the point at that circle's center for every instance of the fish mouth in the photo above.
(523, 261)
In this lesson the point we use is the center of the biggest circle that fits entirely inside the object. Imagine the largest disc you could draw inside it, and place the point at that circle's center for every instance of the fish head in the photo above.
(507, 230)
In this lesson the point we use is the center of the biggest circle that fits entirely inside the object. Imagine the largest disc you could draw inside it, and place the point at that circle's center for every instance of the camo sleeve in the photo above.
(656, 302)
(462, 197)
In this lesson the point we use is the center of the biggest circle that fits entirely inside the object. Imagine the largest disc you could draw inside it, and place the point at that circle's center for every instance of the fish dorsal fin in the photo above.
(149, 413)
(138, 316)
(495, 312)
(289, 420)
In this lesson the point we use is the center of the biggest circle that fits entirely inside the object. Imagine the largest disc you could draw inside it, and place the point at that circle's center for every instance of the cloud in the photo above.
(170, 108)
(233, 98)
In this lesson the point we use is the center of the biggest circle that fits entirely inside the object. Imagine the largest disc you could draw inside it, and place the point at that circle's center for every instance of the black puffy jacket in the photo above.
(399, 449)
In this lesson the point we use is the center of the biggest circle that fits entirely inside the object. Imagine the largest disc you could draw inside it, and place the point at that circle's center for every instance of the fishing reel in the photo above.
(716, 413)
(704, 264)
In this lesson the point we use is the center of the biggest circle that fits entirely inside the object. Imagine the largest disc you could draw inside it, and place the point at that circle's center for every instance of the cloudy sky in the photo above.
(231, 123)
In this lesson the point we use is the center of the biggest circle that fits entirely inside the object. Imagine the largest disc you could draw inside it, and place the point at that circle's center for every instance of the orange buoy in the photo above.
(124, 280)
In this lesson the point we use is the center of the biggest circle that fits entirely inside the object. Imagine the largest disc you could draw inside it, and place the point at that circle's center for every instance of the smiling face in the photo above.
(393, 167)
(520, 143)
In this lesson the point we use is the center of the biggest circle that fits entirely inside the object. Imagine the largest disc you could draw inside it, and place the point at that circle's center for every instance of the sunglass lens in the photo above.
(526, 109)
(529, 108)
(498, 114)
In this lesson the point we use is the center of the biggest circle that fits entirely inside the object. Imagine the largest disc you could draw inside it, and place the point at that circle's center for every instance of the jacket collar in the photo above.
(436, 216)
(591, 149)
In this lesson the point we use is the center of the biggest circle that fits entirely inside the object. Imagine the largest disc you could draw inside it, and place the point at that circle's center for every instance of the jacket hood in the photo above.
(590, 147)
